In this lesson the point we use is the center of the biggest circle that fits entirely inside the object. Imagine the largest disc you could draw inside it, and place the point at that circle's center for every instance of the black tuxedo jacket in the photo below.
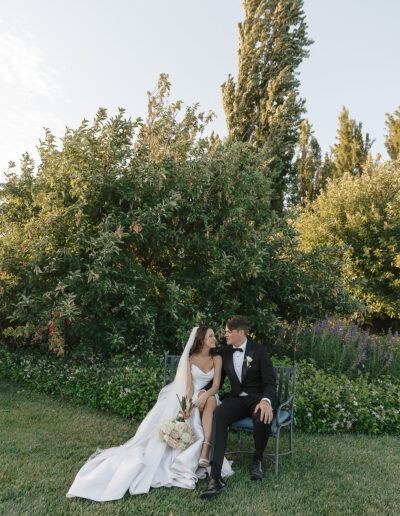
(258, 375)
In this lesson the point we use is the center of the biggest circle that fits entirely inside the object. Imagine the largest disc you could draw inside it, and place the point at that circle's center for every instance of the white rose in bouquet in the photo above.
(177, 433)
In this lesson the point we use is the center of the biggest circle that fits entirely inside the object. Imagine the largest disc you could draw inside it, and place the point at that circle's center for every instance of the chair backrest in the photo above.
(285, 386)
(170, 365)
(285, 380)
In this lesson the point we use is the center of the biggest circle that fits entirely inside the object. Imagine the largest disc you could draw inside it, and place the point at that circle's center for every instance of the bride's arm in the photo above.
(189, 382)
(217, 376)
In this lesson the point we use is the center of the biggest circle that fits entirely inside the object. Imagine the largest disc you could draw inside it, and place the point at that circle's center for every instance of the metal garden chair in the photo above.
(283, 414)
(283, 409)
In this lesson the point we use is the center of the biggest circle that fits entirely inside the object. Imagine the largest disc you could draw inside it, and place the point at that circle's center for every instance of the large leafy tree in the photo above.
(392, 140)
(263, 106)
(357, 218)
(131, 232)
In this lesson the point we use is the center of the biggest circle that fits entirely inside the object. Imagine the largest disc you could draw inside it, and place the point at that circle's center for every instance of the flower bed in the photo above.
(337, 403)
(340, 347)
(325, 402)
(126, 386)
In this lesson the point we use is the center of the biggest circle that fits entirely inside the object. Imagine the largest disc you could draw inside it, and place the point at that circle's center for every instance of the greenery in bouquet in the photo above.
(186, 405)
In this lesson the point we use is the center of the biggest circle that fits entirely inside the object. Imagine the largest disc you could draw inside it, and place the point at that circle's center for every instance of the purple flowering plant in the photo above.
(342, 347)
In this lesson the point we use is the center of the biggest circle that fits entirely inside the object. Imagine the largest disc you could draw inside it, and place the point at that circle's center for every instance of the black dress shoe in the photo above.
(257, 472)
(215, 486)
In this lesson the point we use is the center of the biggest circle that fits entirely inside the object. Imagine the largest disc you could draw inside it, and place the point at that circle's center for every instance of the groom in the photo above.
(253, 384)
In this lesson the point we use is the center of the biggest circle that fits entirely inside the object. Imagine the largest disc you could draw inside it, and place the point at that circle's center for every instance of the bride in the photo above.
(145, 461)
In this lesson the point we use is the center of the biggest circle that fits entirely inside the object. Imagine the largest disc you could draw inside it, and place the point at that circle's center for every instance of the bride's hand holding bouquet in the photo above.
(186, 405)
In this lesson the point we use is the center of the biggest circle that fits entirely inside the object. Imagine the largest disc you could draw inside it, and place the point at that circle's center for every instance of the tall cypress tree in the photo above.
(263, 106)
(351, 151)
(308, 161)
(392, 140)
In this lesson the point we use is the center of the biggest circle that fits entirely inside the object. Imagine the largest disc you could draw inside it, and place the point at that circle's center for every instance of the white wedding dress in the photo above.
(145, 461)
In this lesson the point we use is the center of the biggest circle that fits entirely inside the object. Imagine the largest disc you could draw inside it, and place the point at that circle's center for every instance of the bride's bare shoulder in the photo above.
(217, 359)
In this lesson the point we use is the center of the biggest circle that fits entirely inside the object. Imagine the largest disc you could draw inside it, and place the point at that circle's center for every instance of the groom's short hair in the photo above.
(238, 322)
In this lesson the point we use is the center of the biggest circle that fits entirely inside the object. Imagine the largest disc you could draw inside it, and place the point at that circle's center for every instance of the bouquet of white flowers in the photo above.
(177, 433)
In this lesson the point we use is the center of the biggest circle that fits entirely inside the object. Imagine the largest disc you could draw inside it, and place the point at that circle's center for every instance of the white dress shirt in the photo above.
(238, 359)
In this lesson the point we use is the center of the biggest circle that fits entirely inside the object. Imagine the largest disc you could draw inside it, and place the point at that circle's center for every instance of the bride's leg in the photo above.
(206, 420)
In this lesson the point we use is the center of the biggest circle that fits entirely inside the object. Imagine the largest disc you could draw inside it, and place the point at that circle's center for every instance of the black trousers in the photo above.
(232, 409)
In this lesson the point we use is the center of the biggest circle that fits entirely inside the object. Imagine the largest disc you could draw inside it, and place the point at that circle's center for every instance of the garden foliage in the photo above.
(130, 233)
(357, 219)
(126, 386)
(329, 402)
(341, 347)
(325, 402)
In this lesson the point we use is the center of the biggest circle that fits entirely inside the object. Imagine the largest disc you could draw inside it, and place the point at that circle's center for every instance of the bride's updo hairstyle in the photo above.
(199, 339)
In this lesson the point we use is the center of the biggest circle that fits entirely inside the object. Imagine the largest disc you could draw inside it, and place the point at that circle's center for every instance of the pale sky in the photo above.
(61, 60)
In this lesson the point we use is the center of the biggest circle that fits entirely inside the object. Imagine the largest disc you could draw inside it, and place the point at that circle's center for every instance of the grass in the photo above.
(44, 441)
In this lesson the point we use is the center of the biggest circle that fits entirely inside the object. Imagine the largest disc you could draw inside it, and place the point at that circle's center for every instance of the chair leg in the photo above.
(291, 439)
(277, 452)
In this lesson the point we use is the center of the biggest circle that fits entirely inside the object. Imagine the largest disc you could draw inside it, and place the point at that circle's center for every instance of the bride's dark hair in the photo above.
(199, 339)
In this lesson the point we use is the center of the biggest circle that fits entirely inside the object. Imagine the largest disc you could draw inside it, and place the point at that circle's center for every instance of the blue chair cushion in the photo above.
(247, 423)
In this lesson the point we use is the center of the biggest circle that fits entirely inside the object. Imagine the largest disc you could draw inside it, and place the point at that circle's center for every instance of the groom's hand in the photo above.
(266, 411)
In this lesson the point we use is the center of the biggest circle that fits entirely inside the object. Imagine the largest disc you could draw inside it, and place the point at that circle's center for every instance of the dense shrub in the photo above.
(336, 403)
(129, 386)
(358, 219)
(341, 347)
(130, 233)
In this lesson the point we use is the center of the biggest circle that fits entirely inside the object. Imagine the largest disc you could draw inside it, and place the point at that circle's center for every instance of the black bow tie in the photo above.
(238, 349)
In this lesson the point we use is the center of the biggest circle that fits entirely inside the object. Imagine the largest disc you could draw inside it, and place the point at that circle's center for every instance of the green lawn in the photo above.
(44, 441)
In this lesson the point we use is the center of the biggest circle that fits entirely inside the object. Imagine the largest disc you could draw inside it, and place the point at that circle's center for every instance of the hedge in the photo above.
(325, 403)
